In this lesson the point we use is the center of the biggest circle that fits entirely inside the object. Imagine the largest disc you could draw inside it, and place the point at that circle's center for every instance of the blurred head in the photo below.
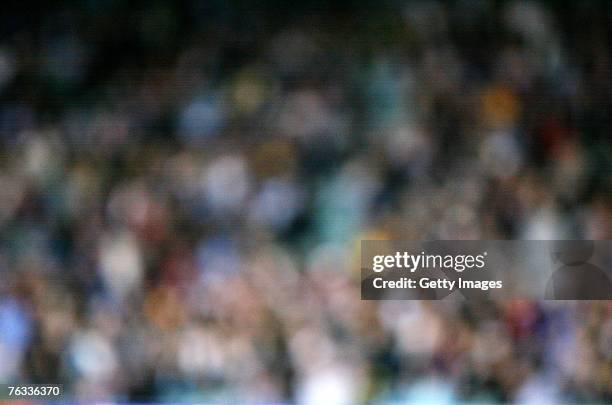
(572, 252)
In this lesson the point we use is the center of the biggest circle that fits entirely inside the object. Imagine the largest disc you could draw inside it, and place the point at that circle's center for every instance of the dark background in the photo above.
(184, 186)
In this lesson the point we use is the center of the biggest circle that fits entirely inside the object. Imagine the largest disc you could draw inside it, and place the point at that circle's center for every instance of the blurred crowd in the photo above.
(184, 186)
